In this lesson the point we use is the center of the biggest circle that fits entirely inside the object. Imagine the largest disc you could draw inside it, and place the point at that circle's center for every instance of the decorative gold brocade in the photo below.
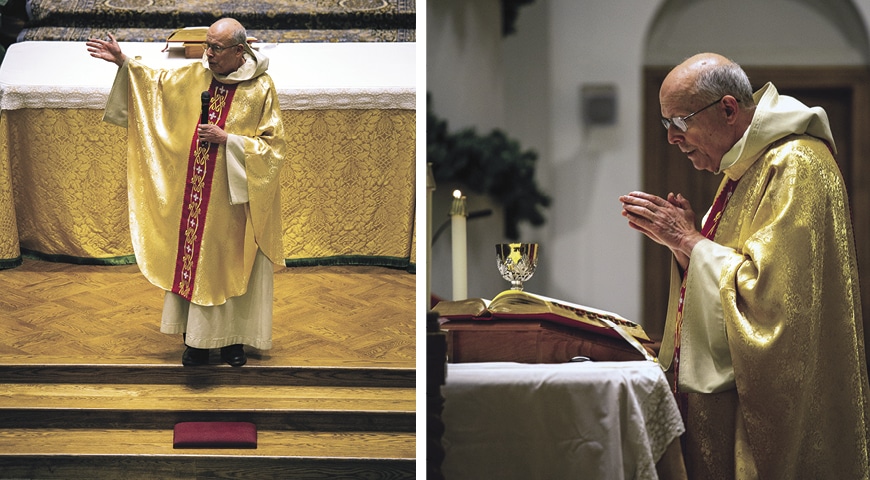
(69, 182)
(347, 184)
(353, 165)
(792, 313)
(9, 248)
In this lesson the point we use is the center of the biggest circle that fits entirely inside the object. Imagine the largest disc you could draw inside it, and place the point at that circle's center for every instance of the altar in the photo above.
(589, 420)
(348, 184)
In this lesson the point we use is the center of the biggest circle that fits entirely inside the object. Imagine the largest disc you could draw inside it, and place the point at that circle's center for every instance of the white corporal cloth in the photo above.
(589, 420)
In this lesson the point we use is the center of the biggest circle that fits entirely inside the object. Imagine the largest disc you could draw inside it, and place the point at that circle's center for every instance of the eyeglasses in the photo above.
(680, 122)
(217, 49)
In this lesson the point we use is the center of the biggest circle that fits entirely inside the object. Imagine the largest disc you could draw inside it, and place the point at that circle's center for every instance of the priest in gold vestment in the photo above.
(764, 331)
(204, 193)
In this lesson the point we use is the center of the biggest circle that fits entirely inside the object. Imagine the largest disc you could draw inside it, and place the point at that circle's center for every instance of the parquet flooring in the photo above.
(352, 316)
(82, 358)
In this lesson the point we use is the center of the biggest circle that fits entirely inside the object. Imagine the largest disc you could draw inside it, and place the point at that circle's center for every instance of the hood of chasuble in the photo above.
(776, 116)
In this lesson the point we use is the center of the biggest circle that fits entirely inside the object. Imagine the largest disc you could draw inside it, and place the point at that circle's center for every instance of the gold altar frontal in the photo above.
(348, 182)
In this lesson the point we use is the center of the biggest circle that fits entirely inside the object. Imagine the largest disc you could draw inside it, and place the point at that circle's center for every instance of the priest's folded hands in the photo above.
(669, 222)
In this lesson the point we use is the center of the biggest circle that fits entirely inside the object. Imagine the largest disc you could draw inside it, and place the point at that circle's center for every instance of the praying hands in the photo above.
(669, 222)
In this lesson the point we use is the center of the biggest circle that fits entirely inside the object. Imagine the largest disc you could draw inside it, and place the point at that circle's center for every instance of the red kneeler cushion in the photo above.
(215, 435)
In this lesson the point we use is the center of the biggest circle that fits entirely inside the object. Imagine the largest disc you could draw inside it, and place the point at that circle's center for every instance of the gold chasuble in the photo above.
(200, 213)
(772, 344)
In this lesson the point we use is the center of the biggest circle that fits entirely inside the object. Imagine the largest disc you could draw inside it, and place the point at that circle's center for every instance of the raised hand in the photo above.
(108, 50)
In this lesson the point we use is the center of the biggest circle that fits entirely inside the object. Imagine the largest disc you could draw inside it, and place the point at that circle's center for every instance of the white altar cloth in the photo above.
(374, 75)
(589, 420)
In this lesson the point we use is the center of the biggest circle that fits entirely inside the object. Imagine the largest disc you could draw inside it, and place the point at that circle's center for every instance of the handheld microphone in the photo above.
(203, 117)
(205, 97)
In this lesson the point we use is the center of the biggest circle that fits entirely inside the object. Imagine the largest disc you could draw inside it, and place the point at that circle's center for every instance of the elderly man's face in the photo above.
(703, 141)
(223, 56)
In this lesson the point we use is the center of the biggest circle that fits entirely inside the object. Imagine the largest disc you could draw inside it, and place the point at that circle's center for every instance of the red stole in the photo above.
(708, 231)
(197, 192)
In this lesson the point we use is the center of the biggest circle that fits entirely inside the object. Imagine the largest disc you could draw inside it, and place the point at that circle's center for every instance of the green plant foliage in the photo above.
(493, 165)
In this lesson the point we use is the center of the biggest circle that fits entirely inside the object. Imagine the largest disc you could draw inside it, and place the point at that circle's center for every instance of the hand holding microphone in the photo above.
(209, 132)
(203, 117)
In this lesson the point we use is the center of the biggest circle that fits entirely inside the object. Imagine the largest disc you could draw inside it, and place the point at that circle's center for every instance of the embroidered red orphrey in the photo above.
(197, 192)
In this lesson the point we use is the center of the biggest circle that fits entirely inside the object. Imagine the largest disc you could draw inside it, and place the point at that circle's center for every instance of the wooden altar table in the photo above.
(348, 184)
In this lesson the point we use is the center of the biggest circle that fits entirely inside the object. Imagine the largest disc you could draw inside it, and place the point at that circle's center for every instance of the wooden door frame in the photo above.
(661, 177)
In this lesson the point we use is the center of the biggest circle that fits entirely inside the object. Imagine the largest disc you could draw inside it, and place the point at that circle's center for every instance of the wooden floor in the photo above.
(60, 313)
(90, 388)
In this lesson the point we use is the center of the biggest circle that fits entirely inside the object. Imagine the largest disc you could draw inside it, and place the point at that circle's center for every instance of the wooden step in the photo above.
(207, 375)
(162, 406)
(216, 397)
(140, 454)
(75, 402)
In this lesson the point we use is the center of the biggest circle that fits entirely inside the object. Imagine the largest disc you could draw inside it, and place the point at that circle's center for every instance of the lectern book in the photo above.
(516, 304)
(192, 38)
(193, 35)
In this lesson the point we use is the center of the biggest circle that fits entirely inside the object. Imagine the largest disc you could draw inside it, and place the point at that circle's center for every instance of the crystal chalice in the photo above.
(516, 262)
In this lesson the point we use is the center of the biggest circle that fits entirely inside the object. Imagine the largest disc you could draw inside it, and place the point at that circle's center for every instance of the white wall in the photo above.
(587, 254)
(529, 85)
(466, 78)
(598, 257)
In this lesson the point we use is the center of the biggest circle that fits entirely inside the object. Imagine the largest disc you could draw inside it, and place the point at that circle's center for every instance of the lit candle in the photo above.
(458, 213)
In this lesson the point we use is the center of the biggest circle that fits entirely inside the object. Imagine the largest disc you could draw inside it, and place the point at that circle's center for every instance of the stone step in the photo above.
(148, 453)
(162, 406)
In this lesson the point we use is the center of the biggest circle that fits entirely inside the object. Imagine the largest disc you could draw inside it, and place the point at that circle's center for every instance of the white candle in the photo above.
(458, 213)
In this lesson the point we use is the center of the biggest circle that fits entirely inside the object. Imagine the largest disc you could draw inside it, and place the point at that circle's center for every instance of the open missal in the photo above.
(516, 304)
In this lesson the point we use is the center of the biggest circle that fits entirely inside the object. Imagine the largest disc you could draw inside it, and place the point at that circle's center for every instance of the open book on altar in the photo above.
(515, 304)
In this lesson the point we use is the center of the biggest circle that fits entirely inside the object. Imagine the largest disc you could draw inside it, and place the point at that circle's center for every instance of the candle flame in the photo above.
(458, 206)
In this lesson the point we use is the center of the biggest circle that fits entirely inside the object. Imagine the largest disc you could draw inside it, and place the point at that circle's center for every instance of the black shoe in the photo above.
(234, 355)
(193, 357)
